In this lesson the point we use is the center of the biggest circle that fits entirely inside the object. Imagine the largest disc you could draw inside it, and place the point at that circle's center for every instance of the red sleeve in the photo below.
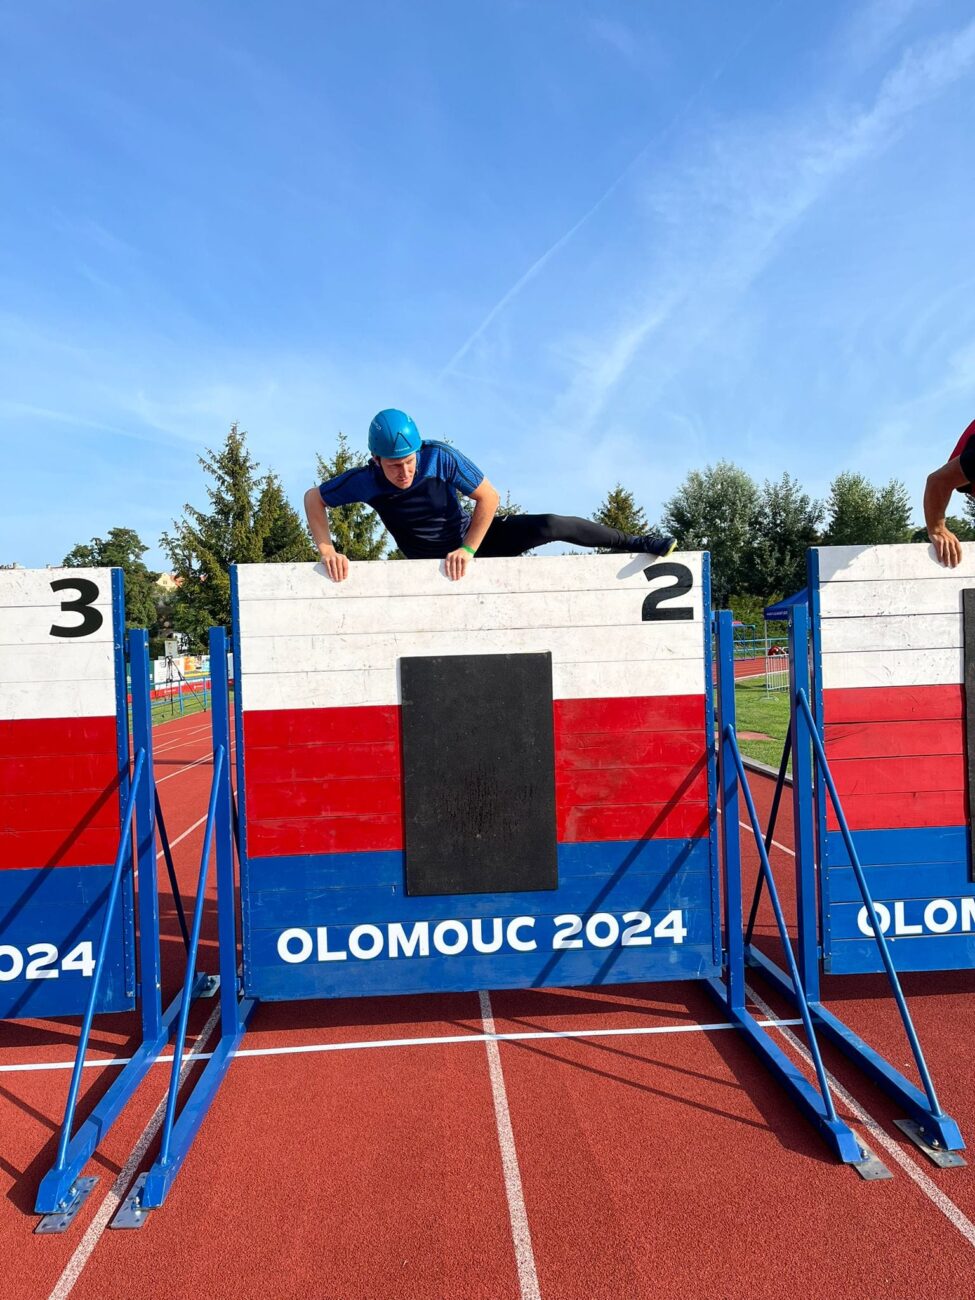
(965, 451)
(963, 441)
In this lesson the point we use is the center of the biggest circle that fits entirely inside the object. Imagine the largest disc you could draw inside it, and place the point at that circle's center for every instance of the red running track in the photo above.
(608, 1164)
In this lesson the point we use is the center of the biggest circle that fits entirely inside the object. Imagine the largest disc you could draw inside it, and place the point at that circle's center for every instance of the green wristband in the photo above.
(465, 547)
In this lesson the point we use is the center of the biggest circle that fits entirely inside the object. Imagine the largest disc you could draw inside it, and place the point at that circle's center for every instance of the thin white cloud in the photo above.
(28, 411)
(754, 187)
(565, 239)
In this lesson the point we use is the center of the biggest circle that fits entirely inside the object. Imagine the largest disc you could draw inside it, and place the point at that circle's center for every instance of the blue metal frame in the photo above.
(811, 770)
(180, 1130)
(816, 1105)
(709, 694)
(819, 802)
(803, 776)
(122, 738)
(58, 1187)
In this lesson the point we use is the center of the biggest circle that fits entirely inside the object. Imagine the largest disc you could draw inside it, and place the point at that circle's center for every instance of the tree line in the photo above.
(757, 535)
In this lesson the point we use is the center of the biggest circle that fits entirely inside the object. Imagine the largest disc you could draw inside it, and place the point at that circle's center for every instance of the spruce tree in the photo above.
(356, 529)
(621, 511)
(249, 522)
(505, 507)
(284, 535)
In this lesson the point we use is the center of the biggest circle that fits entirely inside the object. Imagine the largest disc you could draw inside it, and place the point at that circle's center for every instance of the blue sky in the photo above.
(585, 241)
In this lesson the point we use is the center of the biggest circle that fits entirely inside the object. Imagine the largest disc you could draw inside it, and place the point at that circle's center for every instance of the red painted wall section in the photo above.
(59, 784)
(897, 755)
(330, 780)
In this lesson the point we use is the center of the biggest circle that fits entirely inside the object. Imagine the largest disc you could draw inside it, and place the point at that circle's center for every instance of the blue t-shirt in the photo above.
(425, 519)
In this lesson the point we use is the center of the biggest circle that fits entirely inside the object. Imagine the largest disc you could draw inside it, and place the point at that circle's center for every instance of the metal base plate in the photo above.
(130, 1213)
(211, 987)
(870, 1168)
(61, 1220)
(937, 1155)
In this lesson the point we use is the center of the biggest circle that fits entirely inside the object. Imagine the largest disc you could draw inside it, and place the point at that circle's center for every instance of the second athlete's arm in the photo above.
(937, 494)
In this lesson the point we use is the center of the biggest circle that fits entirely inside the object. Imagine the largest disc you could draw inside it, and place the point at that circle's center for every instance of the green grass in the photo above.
(758, 710)
(168, 710)
(163, 711)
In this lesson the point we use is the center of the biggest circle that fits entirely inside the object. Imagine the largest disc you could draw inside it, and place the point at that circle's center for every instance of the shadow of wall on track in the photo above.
(748, 1076)
(22, 1192)
(117, 1035)
(871, 987)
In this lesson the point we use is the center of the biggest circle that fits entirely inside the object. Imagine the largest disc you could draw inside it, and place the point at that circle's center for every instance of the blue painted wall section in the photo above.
(921, 878)
(44, 916)
(343, 891)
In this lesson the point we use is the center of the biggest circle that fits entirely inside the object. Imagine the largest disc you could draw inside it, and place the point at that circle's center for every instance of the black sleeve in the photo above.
(967, 460)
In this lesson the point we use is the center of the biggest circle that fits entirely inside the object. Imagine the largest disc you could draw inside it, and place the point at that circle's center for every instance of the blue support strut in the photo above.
(816, 1104)
(56, 1188)
(179, 1130)
(938, 1129)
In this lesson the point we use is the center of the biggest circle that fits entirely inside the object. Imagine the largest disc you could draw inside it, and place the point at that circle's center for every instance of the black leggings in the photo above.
(516, 534)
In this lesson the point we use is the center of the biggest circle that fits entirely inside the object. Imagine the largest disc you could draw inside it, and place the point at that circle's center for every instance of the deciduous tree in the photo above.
(714, 510)
(860, 514)
(123, 549)
(784, 527)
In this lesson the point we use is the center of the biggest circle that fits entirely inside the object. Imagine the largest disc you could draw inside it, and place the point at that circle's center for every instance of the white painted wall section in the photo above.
(43, 675)
(306, 642)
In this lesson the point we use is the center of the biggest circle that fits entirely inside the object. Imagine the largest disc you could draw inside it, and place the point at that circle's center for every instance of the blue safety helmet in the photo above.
(393, 434)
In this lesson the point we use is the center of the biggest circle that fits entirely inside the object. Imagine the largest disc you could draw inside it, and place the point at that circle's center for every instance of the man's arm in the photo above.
(937, 493)
(486, 500)
(336, 564)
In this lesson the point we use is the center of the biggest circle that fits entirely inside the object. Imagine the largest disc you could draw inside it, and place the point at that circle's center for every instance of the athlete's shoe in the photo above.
(651, 545)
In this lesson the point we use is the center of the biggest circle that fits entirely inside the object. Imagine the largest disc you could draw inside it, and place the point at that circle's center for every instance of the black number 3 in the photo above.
(92, 619)
(683, 581)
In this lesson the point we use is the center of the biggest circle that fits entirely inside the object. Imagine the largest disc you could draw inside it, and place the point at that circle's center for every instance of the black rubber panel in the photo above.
(478, 774)
(968, 643)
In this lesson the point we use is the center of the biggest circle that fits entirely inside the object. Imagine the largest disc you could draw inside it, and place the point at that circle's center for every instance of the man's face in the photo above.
(399, 472)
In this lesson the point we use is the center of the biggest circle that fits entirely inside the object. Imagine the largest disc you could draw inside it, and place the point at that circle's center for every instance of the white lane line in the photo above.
(207, 758)
(191, 733)
(180, 838)
(775, 843)
(520, 1231)
(304, 1049)
(917, 1175)
(117, 1192)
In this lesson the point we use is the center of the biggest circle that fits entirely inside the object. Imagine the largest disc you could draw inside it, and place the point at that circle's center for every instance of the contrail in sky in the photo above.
(561, 242)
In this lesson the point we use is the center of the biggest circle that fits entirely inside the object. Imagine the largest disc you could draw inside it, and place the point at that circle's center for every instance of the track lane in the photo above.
(685, 1170)
(381, 1179)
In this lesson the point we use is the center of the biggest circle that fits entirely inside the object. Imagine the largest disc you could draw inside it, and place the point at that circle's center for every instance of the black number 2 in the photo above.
(91, 620)
(683, 582)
